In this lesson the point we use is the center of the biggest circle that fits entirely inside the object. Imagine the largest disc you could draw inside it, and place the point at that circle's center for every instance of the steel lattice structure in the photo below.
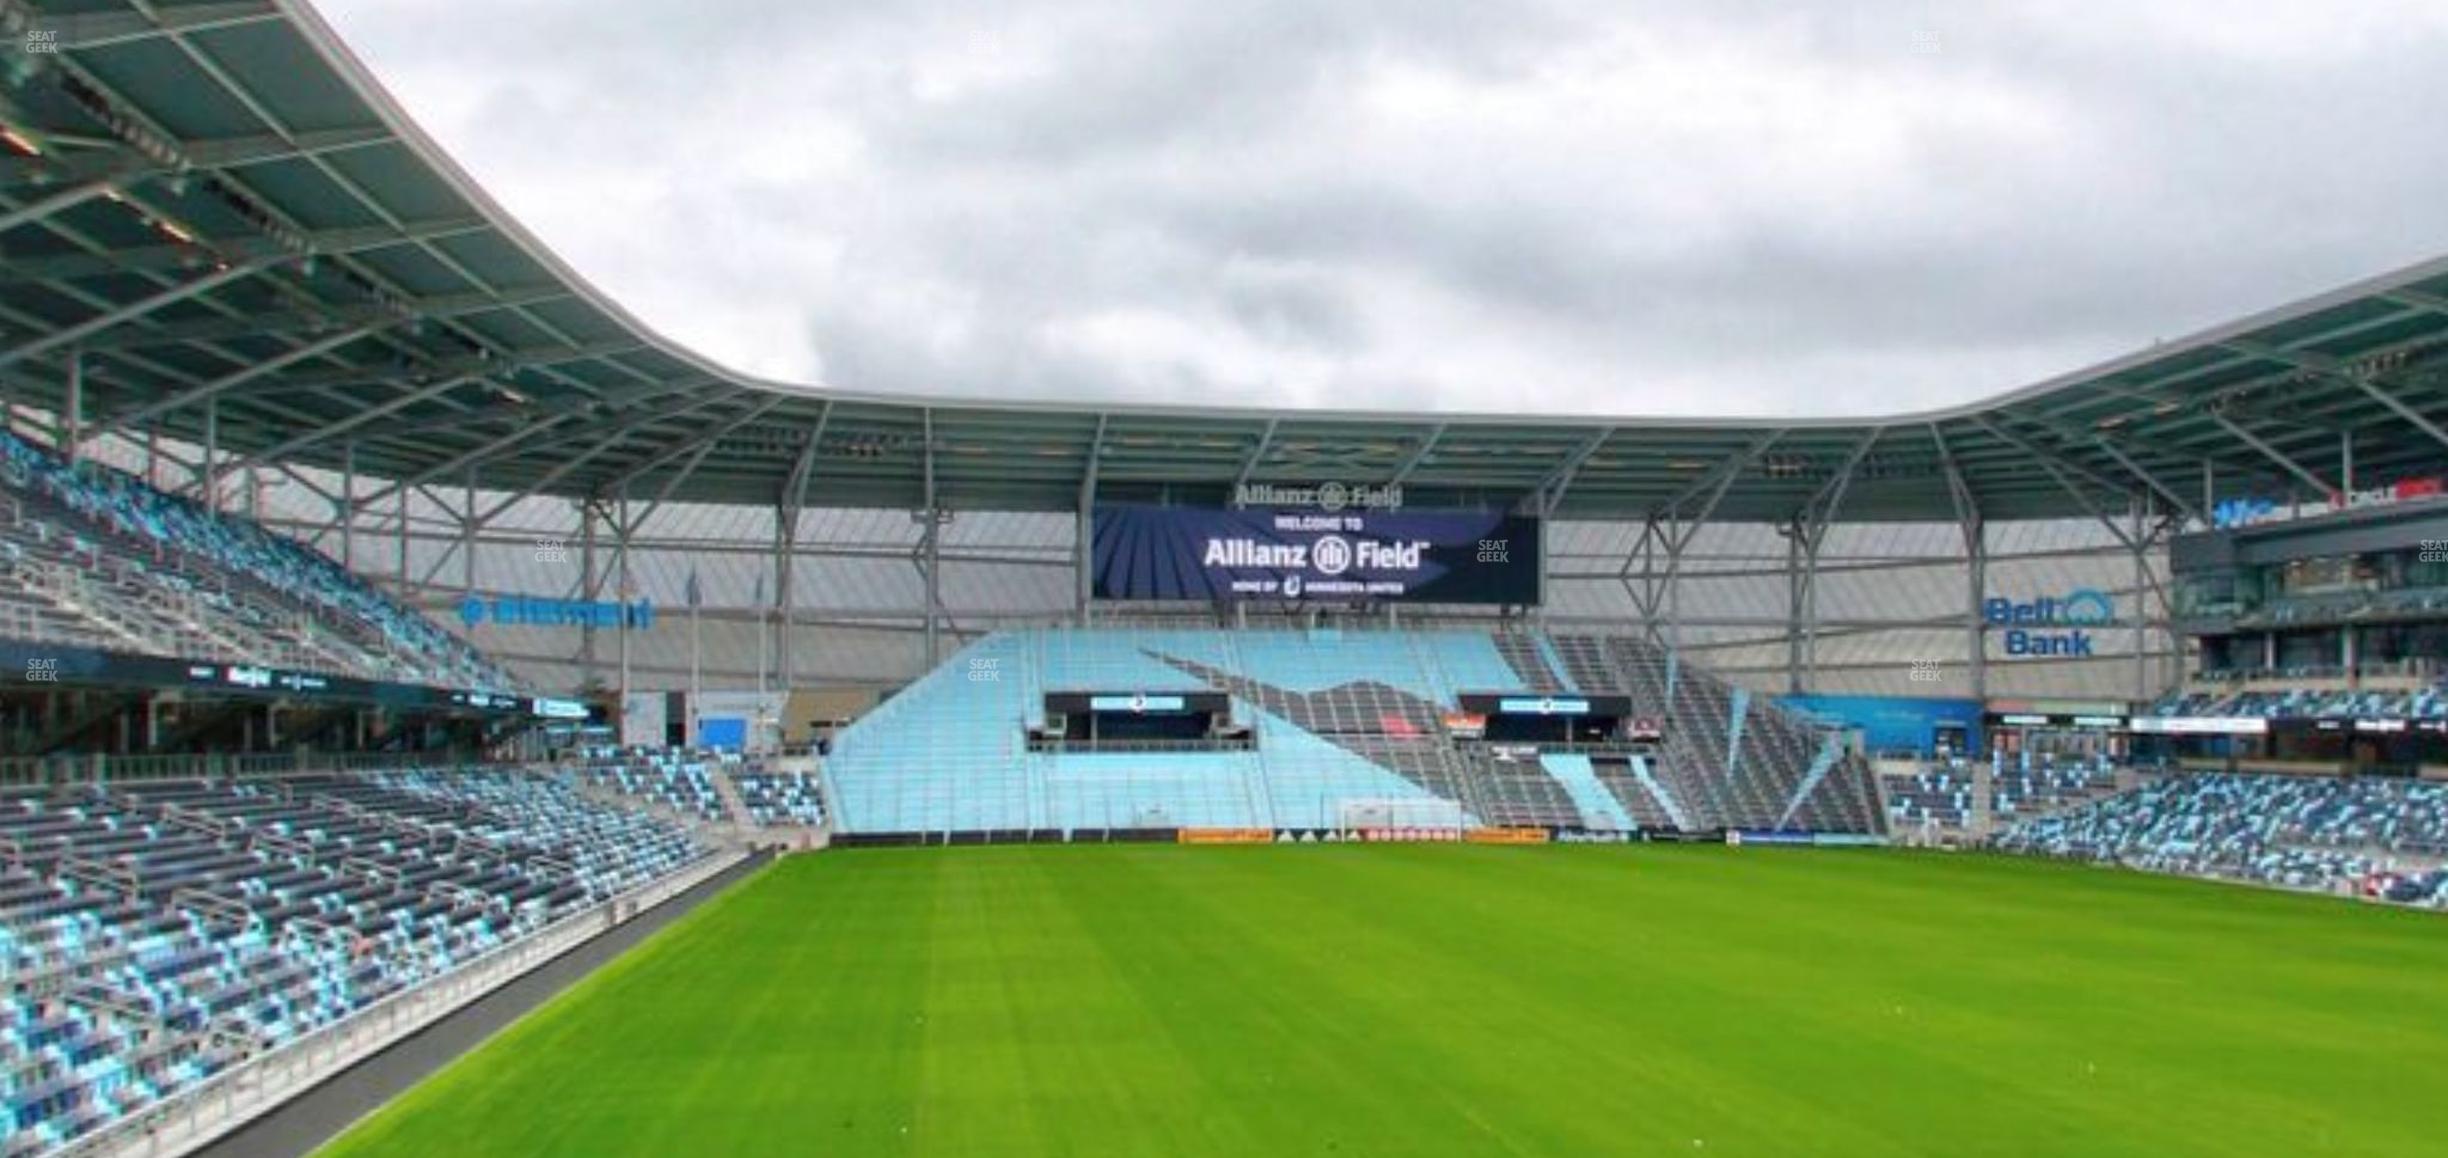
(230, 256)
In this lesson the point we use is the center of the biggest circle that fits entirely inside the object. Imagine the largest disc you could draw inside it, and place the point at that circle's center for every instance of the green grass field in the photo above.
(1456, 1000)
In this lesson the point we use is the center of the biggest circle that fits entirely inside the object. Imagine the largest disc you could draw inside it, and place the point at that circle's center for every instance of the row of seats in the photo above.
(2307, 832)
(717, 787)
(155, 933)
(2330, 607)
(670, 779)
(93, 556)
(2429, 702)
(780, 798)
(1945, 794)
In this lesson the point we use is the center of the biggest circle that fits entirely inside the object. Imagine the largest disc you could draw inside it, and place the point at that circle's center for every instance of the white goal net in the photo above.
(1398, 813)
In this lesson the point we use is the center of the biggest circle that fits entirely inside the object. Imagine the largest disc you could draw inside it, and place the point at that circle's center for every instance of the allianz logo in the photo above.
(1333, 496)
(2025, 622)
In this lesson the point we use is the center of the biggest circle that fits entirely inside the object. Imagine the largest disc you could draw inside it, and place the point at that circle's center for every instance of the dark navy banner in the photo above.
(1153, 553)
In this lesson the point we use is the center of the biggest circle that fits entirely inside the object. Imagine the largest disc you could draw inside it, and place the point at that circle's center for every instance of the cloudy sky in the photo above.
(1601, 206)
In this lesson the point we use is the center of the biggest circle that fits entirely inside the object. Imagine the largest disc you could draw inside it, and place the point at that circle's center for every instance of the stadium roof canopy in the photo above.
(212, 215)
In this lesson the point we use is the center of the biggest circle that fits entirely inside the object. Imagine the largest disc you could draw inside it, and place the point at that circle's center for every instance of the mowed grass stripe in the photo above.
(1439, 1000)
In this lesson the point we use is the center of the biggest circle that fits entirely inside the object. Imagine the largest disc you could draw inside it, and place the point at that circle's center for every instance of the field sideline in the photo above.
(1352, 1000)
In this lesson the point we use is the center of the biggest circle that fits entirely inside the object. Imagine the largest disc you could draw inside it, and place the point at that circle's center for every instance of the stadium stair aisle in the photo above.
(728, 793)
(1599, 808)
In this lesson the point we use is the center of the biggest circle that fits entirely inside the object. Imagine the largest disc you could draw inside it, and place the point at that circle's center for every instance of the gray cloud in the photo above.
(1561, 206)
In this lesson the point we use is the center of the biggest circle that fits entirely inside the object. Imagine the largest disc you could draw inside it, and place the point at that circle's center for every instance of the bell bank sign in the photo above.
(2052, 625)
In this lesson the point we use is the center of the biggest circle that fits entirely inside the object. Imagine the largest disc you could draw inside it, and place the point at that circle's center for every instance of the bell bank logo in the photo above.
(521, 611)
(2029, 625)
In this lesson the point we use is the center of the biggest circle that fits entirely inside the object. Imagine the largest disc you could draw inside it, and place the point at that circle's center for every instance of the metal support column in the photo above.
(1082, 566)
(402, 529)
(1793, 606)
(1810, 610)
(628, 595)
(209, 471)
(72, 418)
(467, 537)
(1083, 545)
(794, 496)
(1976, 542)
(934, 587)
(774, 617)
(1676, 542)
(1546, 578)
(932, 546)
(590, 586)
(348, 505)
(2139, 508)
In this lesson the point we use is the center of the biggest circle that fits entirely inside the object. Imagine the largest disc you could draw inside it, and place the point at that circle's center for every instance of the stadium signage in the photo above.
(1586, 836)
(2252, 510)
(255, 678)
(1507, 836)
(1333, 496)
(525, 611)
(1265, 554)
(2201, 725)
(550, 709)
(1770, 836)
(1409, 835)
(1225, 836)
(1137, 703)
(1543, 706)
(2026, 622)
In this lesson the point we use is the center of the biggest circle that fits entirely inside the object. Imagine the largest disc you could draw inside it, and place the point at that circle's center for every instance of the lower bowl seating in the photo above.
(155, 934)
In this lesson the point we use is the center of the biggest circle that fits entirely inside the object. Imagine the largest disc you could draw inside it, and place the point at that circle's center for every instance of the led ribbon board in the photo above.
(1150, 553)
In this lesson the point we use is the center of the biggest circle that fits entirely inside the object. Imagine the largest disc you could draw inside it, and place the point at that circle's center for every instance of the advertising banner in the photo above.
(1744, 836)
(1893, 723)
(1226, 836)
(2200, 725)
(1277, 554)
(1410, 835)
(1507, 836)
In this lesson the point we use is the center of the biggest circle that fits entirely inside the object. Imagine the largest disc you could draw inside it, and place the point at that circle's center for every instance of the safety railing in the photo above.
(83, 768)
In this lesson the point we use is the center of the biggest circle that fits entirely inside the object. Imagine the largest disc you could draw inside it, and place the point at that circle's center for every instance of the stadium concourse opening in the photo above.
(396, 630)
